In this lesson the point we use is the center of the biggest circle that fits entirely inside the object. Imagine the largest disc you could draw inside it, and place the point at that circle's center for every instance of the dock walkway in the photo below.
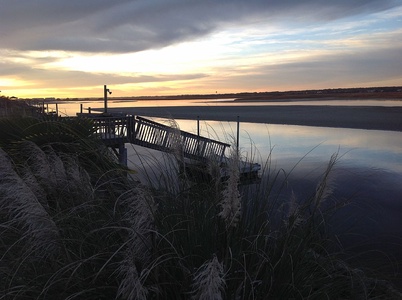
(116, 130)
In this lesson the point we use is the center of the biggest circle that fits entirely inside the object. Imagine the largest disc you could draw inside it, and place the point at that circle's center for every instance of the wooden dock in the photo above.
(117, 130)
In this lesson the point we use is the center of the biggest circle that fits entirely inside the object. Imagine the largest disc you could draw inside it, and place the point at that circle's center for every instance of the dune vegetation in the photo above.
(74, 225)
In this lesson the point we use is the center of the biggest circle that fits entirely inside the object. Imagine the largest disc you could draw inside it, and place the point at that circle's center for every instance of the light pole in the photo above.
(105, 92)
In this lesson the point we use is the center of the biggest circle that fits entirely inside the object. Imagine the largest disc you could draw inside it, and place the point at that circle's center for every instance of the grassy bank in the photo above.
(16, 108)
(74, 226)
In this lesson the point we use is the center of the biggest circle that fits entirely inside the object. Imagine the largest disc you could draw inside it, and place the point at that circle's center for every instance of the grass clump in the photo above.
(73, 226)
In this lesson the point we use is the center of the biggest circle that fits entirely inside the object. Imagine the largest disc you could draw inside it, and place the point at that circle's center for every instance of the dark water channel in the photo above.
(366, 180)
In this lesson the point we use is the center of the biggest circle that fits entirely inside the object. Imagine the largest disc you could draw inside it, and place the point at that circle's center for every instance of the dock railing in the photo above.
(112, 130)
(115, 130)
(165, 138)
(111, 127)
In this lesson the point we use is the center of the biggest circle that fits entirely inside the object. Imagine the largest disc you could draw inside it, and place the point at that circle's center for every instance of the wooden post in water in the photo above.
(81, 106)
(198, 135)
(238, 134)
(122, 154)
(198, 126)
(57, 109)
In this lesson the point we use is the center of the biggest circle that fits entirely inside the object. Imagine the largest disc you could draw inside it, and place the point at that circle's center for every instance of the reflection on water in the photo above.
(368, 173)
(358, 148)
(368, 177)
(373, 149)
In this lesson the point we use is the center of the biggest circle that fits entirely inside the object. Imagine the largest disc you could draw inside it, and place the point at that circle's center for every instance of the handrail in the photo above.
(154, 135)
(112, 127)
(169, 138)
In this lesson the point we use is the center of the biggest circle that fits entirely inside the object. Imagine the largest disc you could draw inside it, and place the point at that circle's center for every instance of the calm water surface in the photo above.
(367, 176)
(358, 148)
(372, 149)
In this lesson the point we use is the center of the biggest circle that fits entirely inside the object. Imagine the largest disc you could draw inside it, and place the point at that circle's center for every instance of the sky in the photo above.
(59, 48)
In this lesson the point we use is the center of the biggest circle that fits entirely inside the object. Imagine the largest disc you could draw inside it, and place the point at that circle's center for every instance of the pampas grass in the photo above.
(56, 236)
(22, 210)
(231, 199)
(209, 281)
(138, 210)
(131, 286)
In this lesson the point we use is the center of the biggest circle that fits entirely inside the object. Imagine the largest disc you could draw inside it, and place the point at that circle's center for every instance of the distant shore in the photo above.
(359, 117)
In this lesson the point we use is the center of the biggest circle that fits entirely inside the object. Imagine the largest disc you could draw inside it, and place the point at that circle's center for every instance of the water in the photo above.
(367, 176)
(370, 149)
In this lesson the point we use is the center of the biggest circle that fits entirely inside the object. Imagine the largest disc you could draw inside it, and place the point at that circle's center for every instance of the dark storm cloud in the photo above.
(128, 26)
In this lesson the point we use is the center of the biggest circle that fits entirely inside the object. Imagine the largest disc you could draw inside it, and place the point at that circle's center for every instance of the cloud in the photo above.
(341, 69)
(128, 26)
(367, 65)
(199, 46)
(45, 78)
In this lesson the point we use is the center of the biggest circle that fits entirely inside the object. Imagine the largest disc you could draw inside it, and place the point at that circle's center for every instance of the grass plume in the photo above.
(231, 199)
(209, 282)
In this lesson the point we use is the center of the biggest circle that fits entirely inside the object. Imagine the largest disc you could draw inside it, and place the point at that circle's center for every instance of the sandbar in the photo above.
(359, 117)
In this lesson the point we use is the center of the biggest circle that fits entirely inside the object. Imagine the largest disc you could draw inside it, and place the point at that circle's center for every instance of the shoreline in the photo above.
(356, 117)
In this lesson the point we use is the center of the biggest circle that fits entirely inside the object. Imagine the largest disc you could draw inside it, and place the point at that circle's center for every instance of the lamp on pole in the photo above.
(105, 92)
